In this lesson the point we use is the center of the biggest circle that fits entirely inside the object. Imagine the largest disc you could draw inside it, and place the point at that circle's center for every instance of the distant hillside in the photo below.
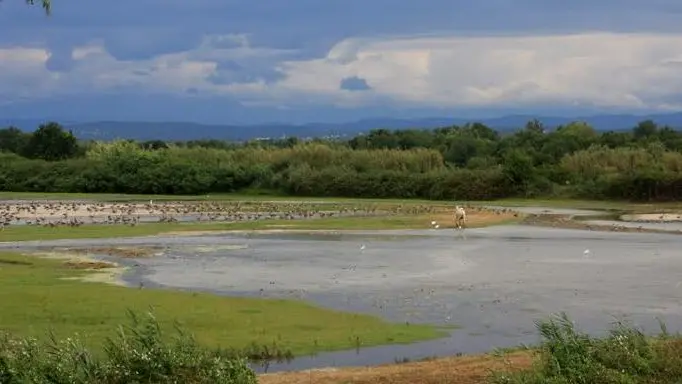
(172, 131)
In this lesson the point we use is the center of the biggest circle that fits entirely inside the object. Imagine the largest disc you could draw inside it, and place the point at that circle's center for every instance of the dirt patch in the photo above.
(460, 370)
(122, 252)
(477, 218)
(233, 231)
(99, 273)
(194, 232)
(86, 264)
(653, 217)
(216, 248)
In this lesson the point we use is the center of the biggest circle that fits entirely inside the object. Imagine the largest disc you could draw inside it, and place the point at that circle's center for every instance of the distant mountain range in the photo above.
(180, 131)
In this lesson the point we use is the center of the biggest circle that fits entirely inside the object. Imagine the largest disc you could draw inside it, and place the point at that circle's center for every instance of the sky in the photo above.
(298, 61)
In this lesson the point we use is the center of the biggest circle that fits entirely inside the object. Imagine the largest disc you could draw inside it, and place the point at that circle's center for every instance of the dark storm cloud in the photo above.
(354, 84)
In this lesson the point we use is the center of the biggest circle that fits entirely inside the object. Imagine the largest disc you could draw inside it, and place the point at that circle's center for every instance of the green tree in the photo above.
(14, 140)
(670, 138)
(154, 144)
(615, 139)
(645, 129)
(382, 139)
(535, 126)
(414, 138)
(481, 131)
(569, 138)
(519, 171)
(51, 142)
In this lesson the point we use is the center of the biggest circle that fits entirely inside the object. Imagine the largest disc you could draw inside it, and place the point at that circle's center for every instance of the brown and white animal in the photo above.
(460, 217)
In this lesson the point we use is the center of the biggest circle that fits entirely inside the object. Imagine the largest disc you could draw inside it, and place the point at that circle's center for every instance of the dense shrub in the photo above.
(138, 354)
(470, 162)
(625, 356)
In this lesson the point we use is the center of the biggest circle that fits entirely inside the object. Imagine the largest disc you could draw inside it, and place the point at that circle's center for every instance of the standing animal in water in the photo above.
(460, 217)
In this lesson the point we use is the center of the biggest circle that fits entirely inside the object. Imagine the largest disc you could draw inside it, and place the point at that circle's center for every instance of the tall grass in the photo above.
(625, 356)
(139, 353)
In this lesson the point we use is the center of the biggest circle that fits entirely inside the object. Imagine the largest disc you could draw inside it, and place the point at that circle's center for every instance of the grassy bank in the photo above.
(565, 356)
(39, 294)
(24, 233)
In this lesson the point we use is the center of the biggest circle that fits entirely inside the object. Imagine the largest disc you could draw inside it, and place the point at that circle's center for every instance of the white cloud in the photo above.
(606, 69)
(22, 72)
(603, 69)
(96, 70)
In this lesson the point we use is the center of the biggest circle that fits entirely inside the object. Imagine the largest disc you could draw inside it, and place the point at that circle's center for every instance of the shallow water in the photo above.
(492, 282)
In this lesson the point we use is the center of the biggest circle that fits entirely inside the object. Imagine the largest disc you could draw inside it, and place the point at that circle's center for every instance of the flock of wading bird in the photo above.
(77, 213)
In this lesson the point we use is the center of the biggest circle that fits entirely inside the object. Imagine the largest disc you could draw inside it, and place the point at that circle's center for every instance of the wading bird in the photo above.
(460, 217)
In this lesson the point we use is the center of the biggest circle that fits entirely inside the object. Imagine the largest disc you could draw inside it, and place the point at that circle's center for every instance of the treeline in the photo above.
(470, 162)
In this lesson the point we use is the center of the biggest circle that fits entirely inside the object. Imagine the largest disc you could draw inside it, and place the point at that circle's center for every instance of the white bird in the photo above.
(433, 222)
(460, 217)
(362, 247)
(437, 226)
(586, 252)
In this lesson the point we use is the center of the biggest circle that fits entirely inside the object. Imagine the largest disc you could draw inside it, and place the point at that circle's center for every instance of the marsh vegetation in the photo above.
(625, 355)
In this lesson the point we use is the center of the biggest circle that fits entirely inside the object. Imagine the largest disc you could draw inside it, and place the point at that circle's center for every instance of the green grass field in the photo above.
(35, 297)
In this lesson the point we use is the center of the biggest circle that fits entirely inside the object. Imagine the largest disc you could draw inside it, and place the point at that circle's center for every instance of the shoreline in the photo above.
(470, 369)
(105, 272)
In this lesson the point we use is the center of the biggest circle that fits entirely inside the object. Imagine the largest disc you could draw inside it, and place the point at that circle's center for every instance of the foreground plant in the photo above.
(138, 354)
(625, 356)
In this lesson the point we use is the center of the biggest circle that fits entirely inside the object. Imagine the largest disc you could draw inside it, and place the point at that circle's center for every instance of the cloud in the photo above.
(610, 70)
(626, 70)
(133, 29)
(354, 83)
(217, 63)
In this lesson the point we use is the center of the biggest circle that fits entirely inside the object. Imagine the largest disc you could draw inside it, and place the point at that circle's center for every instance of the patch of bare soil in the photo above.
(100, 271)
(195, 232)
(86, 264)
(653, 217)
(455, 370)
(477, 218)
(122, 252)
